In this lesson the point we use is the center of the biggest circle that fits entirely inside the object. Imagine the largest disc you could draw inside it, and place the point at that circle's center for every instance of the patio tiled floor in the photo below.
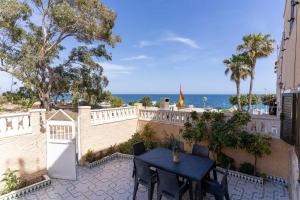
(112, 181)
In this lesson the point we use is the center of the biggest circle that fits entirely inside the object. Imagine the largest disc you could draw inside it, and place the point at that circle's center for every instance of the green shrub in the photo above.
(225, 161)
(90, 156)
(116, 101)
(126, 147)
(10, 180)
(99, 155)
(247, 168)
(111, 150)
(244, 100)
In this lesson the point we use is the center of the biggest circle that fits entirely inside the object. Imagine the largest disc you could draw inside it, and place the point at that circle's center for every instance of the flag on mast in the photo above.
(181, 99)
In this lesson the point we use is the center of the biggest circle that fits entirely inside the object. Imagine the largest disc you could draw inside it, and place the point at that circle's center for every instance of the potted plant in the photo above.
(175, 149)
(176, 154)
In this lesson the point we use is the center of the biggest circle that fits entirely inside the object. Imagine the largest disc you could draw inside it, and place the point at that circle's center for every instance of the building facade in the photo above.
(288, 63)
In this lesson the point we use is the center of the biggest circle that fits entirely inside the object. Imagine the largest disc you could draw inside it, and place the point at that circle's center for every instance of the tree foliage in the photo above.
(23, 96)
(257, 145)
(31, 49)
(146, 101)
(254, 47)
(268, 99)
(213, 127)
(115, 101)
(244, 100)
(236, 65)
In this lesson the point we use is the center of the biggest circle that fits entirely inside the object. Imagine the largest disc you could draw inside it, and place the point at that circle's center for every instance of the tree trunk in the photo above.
(45, 97)
(250, 90)
(238, 93)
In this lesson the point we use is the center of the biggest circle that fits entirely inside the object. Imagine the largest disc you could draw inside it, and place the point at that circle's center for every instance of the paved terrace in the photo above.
(112, 181)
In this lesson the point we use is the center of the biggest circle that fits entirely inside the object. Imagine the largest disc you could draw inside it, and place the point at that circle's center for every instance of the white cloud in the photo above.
(145, 43)
(170, 37)
(186, 41)
(113, 70)
(139, 57)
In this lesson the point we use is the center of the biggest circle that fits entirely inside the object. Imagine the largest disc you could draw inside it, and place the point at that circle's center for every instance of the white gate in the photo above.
(61, 148)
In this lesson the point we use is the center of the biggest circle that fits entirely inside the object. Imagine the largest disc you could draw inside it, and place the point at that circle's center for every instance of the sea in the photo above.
(220, 101)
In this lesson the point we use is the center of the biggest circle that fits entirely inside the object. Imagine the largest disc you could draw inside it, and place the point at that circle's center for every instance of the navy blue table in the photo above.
(192, 167)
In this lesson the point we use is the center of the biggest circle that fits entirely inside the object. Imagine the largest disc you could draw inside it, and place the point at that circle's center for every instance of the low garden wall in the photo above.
(104, 131)
(25, 150)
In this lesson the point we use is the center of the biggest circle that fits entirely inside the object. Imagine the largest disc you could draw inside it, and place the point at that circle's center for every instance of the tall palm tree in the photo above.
(255, 46)
(239, 71)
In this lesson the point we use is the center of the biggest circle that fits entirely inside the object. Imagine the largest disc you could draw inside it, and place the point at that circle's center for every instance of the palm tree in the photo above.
(239, 70)
(255, 46)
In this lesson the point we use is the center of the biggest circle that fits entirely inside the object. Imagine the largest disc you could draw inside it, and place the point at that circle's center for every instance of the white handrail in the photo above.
(102, 116)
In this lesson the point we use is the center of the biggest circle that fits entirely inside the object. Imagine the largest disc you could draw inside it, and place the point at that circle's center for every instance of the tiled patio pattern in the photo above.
(112, 181)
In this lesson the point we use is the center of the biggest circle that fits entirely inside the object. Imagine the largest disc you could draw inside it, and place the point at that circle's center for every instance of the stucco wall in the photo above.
(102, 136)
(289, 57)
(275, 164)
(25, 153)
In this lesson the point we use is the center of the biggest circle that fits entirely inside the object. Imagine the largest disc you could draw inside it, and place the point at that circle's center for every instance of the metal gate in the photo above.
(61, 147)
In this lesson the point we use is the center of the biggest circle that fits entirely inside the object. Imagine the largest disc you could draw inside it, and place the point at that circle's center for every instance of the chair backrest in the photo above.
(167, 183)
(139, 148)
(199, 150)
(142, 171)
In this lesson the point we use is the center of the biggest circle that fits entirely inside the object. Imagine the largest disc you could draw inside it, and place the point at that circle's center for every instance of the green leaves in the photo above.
(244, 100)
(31, 48)
(10, 180)
(213, 127)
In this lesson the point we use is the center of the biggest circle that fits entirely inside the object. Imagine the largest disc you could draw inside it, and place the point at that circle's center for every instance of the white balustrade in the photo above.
(102, 116)
(14, 124)
(165, 116)
(264, 124)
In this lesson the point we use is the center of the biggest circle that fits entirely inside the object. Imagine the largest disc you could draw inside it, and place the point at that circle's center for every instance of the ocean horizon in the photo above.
(197, 100)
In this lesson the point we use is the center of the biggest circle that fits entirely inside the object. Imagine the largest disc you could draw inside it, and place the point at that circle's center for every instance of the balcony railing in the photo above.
(165, 116)
(102, 116)
(265, 124)
(14, 124)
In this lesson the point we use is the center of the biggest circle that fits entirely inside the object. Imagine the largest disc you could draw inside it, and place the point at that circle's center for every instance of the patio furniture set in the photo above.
(195, 173)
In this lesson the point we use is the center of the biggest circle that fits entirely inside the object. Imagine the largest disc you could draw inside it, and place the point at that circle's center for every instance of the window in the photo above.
(292, 19)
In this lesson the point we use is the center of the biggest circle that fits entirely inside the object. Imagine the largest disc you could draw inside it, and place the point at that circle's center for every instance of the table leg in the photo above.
(199, 192)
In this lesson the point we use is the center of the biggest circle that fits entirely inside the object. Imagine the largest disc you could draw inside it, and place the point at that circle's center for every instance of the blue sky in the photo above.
(166, 43)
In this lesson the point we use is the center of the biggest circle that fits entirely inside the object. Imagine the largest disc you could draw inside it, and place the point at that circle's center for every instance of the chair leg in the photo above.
(150, 191)
(136, 185)
(218, 197)
(191, 192)
(227, 196)
(159, 196)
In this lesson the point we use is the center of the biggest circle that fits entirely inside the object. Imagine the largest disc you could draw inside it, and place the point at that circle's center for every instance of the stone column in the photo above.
(84, 126)
(38, 121)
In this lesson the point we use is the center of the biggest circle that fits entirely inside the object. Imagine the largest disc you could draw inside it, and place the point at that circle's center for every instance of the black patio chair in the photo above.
(138, 149)
(199, 150)
(170, 187)
(145, 177)
(216, 188)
